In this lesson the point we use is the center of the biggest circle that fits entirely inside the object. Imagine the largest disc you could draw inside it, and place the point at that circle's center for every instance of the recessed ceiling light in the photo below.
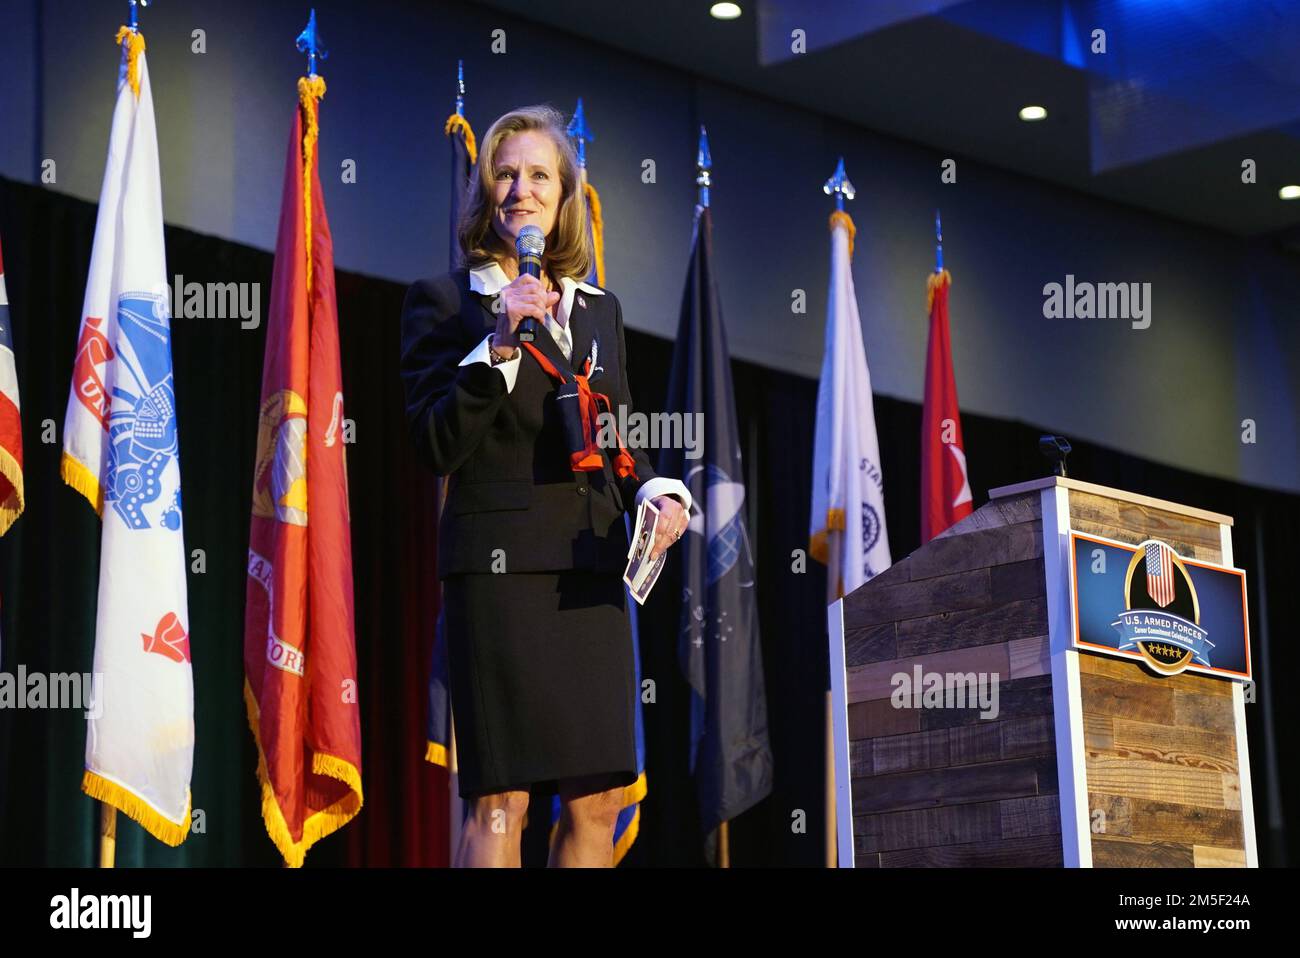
(1289, 192)
(1031, 113)
(725, 11)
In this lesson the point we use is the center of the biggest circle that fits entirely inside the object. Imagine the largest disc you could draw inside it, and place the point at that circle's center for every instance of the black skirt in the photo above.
(542, 679)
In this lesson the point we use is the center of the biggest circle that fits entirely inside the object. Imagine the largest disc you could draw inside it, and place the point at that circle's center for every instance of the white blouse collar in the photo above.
(490, 279)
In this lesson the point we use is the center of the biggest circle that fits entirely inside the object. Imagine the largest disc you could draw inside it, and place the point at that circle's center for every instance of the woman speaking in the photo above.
(532, 542)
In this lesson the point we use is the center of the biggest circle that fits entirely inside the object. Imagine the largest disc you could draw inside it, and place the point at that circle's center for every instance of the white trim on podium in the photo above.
(840, 734)
(1239, 723)
(1067, 698)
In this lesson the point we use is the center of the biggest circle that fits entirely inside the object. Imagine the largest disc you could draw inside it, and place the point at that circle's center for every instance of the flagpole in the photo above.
(455, 804)
(703, 181)
(841, 188)
(938, 243)
(107, 835)
(107, 812)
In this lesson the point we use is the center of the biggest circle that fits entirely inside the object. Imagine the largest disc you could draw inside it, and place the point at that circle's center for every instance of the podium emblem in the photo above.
(1146, 603)
(1162, 612)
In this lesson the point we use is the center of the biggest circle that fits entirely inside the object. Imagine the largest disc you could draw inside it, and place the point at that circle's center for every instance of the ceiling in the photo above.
(1186, 90)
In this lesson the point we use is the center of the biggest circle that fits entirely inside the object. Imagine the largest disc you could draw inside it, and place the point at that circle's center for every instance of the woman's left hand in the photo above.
(671, 525)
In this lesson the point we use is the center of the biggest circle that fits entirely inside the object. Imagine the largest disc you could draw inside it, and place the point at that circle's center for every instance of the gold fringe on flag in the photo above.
(458, 122)
(134, 47)
(633, 794)
(838, 218)
(111, 793)
(597, 231)
(310, 91)
(818, 546)
(435, 753)
(933, 283)
(12, 507)
(317, 826)
(81, 479)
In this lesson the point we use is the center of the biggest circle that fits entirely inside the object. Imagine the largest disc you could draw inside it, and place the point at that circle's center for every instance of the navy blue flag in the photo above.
(718, 641)
(464, 154)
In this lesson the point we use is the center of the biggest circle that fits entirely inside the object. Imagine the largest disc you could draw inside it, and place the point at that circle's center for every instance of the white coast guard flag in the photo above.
(120, 451)
(847, 529)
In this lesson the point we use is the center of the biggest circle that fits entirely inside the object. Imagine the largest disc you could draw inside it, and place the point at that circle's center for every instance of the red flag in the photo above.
(11, 426)
(945, 488)
(299, 645)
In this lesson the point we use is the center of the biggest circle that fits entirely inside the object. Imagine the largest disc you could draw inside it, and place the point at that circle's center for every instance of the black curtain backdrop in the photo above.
(49, 573)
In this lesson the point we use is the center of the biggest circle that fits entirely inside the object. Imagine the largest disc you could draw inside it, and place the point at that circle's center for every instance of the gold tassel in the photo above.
(935, 280)
(310, 90)
(134, 47)
(458, 122)
(839, 217)
(597, 231)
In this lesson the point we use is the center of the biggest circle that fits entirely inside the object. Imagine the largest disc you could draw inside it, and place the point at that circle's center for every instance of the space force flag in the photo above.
(718, 645)
(11, 425)
(300, 658)
(847, 528)
(121, 451)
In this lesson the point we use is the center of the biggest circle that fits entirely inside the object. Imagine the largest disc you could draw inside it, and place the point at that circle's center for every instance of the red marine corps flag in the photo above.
(299, 647)
(945, 488)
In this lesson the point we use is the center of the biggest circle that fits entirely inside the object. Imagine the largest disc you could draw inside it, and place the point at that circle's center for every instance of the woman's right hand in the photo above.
(526, 296)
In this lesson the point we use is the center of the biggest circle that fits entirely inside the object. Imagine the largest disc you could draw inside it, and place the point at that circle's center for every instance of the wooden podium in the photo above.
(1091, 760)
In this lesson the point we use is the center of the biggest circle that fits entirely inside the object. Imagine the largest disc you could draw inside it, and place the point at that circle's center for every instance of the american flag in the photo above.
(11, 430)
(1160, 573)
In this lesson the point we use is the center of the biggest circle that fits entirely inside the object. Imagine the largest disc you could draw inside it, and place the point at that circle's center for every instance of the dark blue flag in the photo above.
(718, 641)
(463, 156)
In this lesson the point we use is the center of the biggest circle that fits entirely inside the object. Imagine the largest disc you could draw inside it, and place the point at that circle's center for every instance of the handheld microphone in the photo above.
(529, 246)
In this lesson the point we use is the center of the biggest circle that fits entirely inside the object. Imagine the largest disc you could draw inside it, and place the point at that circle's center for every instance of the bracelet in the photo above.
(496, 358)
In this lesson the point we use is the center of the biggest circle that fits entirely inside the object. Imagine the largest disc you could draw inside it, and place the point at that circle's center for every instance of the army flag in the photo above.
(121, 451)
(299, 645)
(847, 528)
(945, 488)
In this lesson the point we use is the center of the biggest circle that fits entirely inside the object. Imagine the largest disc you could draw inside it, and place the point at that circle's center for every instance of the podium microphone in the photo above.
(529, 245)
(1055, 448)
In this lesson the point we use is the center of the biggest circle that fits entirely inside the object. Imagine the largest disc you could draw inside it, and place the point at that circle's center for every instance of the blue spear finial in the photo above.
(938, 243)
(311, 43)
(703, 167)
(580, 133)
(839, 185)
(135, 5)
(460, 87)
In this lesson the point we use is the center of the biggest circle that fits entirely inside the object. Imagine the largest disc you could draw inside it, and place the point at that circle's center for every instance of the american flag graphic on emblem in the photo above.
(1160, 573)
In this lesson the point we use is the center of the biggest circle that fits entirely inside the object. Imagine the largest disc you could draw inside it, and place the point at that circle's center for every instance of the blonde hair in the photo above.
(568, 248)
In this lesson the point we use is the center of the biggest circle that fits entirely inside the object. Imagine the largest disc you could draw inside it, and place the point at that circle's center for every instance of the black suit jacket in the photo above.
(511, 487)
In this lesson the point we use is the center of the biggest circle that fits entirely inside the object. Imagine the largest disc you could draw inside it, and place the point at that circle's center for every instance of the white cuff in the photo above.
(663, 486)
(509, 369)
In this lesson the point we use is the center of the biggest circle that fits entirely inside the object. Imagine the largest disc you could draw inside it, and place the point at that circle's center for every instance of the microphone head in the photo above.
(530, 241)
